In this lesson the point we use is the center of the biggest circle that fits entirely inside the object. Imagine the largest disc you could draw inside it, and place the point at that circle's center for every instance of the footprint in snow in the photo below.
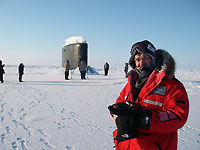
(31, 103)
(2, 107)
(3, 136)
(7, 129)
(2, 119)
(14, 146)
(68, 147)
(63, 118)
(10, 114)
(62, 111)
(42, 133)
(15, 121)
(27, 129)
(23, 116)
(60, 124)
(21, 110)
(23, 143)
(47, 143)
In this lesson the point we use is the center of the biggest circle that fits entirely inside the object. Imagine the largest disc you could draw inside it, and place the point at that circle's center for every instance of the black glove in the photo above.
(120, 109)
(137, 118)
(123, 111)
(127, 124)
(129, 119)
(124, 131)
(141, 119)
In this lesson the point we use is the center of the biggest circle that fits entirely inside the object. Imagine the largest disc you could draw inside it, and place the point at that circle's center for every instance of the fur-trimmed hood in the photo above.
(165, 63)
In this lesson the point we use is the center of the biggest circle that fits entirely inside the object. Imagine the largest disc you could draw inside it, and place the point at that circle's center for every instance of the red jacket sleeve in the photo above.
(174, 114)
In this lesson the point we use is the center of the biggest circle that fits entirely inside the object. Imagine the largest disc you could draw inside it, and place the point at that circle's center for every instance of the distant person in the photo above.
(106, 68)
(1, 71)
(153, 105)
(126, 68)
(21, 71)
(83, 69)
(67, 67)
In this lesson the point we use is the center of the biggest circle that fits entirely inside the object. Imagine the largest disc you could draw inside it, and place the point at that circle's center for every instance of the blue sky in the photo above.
(33, 31)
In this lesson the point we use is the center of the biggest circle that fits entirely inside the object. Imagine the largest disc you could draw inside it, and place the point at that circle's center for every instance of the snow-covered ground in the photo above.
(45, 112)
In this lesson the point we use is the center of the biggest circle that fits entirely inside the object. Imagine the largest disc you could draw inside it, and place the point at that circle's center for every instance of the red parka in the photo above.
(167, 98)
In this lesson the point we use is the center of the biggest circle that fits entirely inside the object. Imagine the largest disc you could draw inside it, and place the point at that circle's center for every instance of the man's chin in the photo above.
(144, 68)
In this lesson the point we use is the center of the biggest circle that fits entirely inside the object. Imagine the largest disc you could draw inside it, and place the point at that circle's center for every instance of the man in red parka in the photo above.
(153, 105)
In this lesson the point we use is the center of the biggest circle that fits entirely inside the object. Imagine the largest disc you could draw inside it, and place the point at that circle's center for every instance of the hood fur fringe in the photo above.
(165, 63)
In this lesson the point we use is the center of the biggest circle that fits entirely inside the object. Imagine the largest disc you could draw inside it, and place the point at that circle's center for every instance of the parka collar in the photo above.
(165, 63)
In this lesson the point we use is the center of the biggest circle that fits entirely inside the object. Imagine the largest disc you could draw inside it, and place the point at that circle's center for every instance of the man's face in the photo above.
(142, 59)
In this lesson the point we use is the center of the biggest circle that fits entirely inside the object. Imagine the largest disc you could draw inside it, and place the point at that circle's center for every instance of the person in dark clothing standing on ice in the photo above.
(83, 69)
(21, 71)
(126, 68)
(106, 68)
(1, 71)
(67, 67)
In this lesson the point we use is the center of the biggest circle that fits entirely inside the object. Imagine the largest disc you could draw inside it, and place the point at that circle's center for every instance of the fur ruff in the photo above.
(165, 63)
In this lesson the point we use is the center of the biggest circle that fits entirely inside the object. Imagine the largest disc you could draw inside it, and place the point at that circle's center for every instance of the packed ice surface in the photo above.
(45, 112)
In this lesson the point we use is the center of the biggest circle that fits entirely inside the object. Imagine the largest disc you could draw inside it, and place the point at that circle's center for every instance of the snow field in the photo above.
(45, 112)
